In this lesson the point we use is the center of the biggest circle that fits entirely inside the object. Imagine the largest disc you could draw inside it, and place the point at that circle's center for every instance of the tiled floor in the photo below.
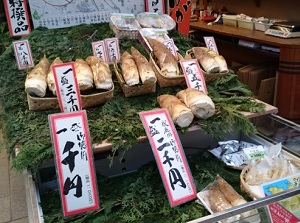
(13, 208)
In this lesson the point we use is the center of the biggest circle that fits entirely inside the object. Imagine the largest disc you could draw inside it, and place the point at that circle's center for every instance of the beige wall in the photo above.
(277, 9)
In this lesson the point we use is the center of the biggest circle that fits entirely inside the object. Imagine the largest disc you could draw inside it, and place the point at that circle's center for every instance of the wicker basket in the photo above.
(124, 33)
(207, 76)
(50, 103)
(131, 91)
(247, 189)
(165, 81)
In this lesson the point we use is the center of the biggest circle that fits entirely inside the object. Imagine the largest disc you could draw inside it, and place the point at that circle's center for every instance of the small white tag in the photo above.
(255, 152)
(210, 43)
(99, 50)
(169, 43)
(23, 54)
(112, 48)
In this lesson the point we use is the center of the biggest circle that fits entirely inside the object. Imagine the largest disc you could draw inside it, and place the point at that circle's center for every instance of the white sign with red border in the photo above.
(169, 156)
(193, 74)
(112, 49)
(157, 6)
(210, 43)
(74, 162)
(17, 17)
(67, 88)
(23, 54)
(99, 50)
(169, 43)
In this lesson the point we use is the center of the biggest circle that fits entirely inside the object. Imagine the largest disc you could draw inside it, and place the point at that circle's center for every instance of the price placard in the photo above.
(169, 156)
(211, 43)
(113, 50)
(67, 87)
(74, 162)
(169, 43)
(157, 6)
(99, 50)
(23, 54)
(193, 74)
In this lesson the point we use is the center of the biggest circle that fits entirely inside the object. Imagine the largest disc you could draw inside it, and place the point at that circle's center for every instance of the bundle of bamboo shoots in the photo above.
(166, 61)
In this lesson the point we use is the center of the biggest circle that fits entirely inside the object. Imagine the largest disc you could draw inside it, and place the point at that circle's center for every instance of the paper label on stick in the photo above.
(67, 88)
(169, 156)
(211, 43)
(23, 54)
(169, 43)
(99, 50)
(74, 162)
(193, 74)
(112, 49)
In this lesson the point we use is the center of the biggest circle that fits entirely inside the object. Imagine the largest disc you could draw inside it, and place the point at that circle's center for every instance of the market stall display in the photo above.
(115, 121)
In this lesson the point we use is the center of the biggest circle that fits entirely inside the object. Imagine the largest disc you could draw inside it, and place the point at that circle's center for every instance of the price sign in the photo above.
(17, 17)
(112, 48)
(74, 162)
(23, 54)
(254, 153)
(169, 43)
(193, 74)
(169, 156)
(210, 43)
(67, 87)
(99, 50)
(157, 6)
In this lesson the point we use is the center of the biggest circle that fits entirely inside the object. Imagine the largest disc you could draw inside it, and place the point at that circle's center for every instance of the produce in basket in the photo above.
(236, 199)
(50, 75)
(36, 79)
(101, 73)
(129, 69)
(179, 112)
(200, 104)
(145, 70)
(211, 61)
(84, 75)
(166, 61)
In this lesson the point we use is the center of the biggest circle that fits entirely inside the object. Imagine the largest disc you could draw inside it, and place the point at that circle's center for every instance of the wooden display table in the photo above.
(288, 82)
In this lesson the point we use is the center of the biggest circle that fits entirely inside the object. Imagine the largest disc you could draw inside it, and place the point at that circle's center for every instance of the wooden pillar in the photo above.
(288, 84)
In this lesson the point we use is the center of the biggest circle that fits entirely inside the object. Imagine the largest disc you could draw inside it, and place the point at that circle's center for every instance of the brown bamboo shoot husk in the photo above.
(146, 71)
(50, 76)
(166, 61)
(36, 79)
(102, 75)
(200, 104)
(84, 75)
(179, 112)
(207, 62)
(129, 69)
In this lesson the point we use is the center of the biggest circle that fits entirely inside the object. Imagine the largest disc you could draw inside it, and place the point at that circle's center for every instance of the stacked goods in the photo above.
(165, 65)
(212, 64)
(136, 75)
(89, 73)
(187, 104)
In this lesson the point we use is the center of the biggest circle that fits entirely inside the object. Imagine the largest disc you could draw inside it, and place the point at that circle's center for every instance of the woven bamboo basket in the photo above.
(50, 103)
(207, 76)
(165, 81)
(246, 187)
(131, 91)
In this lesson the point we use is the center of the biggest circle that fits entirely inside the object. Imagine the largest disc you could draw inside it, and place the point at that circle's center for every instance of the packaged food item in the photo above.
(124, 25)
(155, 20)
